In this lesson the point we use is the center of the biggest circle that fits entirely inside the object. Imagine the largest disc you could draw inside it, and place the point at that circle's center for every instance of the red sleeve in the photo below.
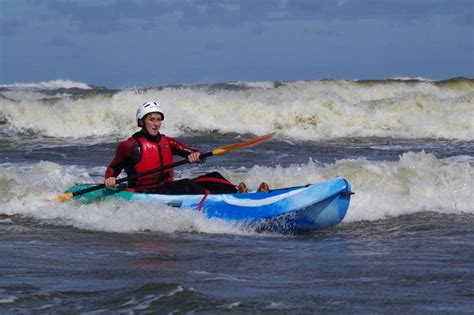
(181, 149)
(122, 154)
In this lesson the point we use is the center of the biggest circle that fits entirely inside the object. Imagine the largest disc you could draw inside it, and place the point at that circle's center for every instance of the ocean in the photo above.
(406, 244)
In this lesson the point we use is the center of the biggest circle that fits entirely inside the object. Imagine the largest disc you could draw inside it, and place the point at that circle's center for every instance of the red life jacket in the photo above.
(153, 155)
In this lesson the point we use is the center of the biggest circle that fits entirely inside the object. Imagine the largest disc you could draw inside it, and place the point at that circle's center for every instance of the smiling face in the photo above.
(151, 123)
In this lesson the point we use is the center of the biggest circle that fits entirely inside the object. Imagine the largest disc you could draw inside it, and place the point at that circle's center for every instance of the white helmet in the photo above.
(149, 107)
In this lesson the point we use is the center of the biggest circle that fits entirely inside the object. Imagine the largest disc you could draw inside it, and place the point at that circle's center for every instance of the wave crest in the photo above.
(47, 85)
(306, 110)
(417, 182)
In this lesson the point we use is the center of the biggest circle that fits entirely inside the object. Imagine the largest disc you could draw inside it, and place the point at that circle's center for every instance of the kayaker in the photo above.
(149, 149)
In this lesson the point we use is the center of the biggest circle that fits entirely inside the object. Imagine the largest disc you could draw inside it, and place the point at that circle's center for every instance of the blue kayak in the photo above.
(287, 210)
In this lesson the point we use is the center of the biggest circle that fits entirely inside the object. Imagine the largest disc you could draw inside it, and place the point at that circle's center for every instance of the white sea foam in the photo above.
(8, 299)
(410, 79)
(298, 110)
(31, 191)
(49, 85)
(417, 182)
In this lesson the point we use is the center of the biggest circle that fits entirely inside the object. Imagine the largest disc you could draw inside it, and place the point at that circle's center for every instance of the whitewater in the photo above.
(303, 110)
(405, 145)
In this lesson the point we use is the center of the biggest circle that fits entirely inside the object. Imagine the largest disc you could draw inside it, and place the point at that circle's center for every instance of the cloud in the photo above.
(60, 41)
(12, 17)
(352, 10)
(109, 16)
(214, 46)
(9, 27)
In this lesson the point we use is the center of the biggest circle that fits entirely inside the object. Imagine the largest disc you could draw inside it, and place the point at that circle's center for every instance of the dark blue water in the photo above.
(405, 246)
(418, 262)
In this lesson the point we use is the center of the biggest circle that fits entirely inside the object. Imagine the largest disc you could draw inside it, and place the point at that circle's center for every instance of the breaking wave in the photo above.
(307, 110)
(417, 182)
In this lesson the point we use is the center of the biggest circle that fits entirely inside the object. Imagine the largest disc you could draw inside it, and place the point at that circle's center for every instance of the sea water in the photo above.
(405, 245)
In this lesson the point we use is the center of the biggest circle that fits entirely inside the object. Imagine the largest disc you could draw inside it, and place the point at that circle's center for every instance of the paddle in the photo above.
(225, 149)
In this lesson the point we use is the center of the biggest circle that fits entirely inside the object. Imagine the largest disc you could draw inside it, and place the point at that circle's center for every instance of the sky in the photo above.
(123, 43)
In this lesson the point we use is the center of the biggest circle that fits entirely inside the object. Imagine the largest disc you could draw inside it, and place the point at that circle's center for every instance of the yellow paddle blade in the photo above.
(65, 197)
(243, 144)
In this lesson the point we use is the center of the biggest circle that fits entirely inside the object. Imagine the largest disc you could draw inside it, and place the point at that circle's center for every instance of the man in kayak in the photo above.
(148, 149)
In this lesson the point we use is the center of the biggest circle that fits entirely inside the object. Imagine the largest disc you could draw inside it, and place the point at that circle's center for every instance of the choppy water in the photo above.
(406, 244)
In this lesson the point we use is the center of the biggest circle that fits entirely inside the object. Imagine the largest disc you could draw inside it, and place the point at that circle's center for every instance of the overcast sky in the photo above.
(119, 43)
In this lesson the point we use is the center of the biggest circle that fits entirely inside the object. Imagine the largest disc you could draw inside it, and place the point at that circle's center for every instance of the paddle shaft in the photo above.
(132, 177)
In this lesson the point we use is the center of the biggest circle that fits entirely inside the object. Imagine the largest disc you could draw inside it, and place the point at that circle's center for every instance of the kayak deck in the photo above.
(294, 209)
